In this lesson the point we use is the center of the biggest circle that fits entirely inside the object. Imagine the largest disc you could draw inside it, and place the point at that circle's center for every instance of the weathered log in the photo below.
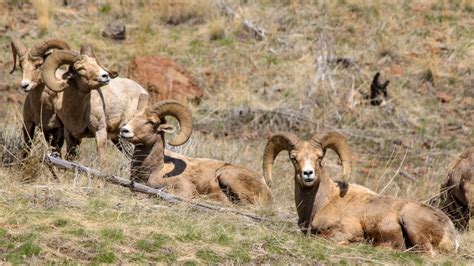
(67, 165)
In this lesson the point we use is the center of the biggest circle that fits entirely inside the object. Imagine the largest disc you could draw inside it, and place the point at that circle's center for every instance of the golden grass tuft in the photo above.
(43, 9)
(217, 29)
(146, 28)
(181, 11)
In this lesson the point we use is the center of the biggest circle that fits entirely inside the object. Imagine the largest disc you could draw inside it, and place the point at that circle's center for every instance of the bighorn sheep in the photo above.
(89, 102)
(182, 175)
(38, 108)
(348, 212)
(457, 193)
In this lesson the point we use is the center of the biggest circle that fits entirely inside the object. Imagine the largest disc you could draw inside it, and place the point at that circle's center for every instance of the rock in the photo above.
(164, 79)
(444, 97)
(114, 30)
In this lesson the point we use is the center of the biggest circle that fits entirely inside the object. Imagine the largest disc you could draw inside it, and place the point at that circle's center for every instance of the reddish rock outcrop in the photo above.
(164, 79)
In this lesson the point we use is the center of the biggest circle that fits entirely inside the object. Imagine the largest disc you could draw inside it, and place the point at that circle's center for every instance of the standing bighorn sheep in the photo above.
(457, 193)
(351, 213)
(182, 175)
(38, 108)
(89, 102)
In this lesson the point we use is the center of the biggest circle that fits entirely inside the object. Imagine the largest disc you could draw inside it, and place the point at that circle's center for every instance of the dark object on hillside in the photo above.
(114, 30)
(378, 90)
(443, 97)
(164, 79)
(343, 61)
(74, 3)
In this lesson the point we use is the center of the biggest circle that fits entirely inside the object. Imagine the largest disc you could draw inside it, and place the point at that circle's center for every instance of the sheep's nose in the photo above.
(308, 172)
(105, 76)
(126, 132)
(24, 84)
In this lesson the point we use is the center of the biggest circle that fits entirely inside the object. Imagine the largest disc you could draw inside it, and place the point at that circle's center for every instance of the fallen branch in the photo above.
(407, 175)
(60, 163)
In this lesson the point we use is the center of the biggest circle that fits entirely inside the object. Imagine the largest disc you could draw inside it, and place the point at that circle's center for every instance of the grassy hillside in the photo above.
(288, 81)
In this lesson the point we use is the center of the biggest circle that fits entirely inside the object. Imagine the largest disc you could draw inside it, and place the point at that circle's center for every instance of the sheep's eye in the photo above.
(81, 69)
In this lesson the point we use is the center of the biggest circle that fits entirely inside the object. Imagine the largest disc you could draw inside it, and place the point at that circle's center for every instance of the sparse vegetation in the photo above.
(285, 82)
(43, 9)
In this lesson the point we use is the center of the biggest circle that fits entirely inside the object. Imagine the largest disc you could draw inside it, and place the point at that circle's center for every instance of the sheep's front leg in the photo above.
(28, 133)
(341, 231)
(55, 137)
(101, 141)
(72, 145)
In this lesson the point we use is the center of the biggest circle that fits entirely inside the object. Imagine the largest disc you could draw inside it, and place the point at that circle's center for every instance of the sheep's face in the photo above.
(467, 184)
(145, 128)
(307, 162)
(462, 177)
(90, 72)
(31, 69)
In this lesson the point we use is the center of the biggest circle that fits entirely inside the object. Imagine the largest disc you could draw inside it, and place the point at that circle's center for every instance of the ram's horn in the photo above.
(277, 143)
(181, 113)
(52, 63)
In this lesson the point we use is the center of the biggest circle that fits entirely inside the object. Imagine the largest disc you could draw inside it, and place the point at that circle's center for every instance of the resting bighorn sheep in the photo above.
(351, 213)
(182, 175)
(89, 102)
(38, 108)
(457, 193)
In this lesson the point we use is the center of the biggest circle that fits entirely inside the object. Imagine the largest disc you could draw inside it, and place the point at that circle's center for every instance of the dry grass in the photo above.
(43, 9)
(180, 11)
(253, 88)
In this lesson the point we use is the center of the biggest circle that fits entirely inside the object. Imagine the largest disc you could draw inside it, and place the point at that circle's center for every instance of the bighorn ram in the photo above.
(38, 108)
(89, 102)
(457, 193)
(182, 175)
(351, 213)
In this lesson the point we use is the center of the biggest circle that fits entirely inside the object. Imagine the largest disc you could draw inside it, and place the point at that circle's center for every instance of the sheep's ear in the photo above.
(152, 116)
(167, 128)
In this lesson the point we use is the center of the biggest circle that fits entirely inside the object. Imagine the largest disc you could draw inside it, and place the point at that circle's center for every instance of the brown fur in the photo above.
(89, 108)
(352, 213)
(186, 176)
(38, 110)
(457, 193)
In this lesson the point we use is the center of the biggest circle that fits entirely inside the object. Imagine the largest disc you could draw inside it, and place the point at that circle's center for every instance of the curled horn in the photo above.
(277, 143)
(87, 49)
(337, 143)
(17, 49)
(181, 113)
(40, 49)
(52, 63)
